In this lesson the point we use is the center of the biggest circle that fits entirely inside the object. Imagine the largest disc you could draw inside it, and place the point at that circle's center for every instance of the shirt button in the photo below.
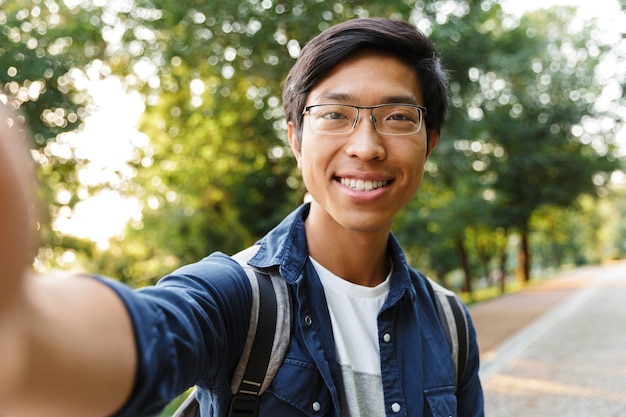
(317, 406)
(387, 338)
(395, 407)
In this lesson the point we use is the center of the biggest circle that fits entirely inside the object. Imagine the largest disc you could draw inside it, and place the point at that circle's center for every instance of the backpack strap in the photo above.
(266, 344)
(250, 372)
(455, 326)
(269, 332)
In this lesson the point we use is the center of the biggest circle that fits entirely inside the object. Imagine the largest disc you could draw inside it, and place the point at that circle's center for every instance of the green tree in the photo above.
(36, 58)
(44, 47)
(537, 116)
(521, 94)
(217, 172)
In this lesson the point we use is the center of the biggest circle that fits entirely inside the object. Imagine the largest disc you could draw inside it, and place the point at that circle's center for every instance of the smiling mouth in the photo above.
(362, 185)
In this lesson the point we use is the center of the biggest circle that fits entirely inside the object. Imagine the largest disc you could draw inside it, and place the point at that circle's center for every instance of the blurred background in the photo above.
(159, 132)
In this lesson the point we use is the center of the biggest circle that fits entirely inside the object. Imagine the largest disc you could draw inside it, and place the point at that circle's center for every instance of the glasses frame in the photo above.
(421, 109)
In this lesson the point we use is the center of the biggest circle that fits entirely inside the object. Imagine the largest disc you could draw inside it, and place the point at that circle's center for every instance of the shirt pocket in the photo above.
(441, 402)
(298, 386)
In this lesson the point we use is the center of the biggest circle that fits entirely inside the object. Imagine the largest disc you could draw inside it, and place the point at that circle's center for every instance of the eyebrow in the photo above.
(349, 98)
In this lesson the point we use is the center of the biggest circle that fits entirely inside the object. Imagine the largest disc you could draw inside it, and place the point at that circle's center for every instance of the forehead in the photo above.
(368, 78)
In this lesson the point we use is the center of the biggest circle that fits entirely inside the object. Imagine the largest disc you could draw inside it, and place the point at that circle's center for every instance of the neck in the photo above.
(356, 256)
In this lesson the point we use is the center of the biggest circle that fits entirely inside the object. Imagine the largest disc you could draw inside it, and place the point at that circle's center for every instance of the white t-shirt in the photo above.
(354, 315)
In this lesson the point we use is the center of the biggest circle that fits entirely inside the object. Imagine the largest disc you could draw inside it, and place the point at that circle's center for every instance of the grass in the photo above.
(173, 406)
(512, 286)
(488, 293)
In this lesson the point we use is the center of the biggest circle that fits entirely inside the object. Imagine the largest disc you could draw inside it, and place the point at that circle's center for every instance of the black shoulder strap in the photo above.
(259, 358)
(454, 323)
(266, 343)
(270, 319)
(245, 401)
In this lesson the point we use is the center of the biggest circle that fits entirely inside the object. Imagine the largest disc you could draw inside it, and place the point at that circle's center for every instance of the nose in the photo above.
(364, 142)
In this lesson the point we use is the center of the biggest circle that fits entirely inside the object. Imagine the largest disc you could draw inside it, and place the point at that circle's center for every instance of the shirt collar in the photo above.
(285, 248)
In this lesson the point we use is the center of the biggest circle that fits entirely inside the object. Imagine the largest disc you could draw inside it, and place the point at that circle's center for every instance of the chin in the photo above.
(365, 225)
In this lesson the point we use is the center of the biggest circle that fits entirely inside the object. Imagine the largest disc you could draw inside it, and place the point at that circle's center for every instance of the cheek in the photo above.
(308, 157)
(313, 166)
(307, 168)
(412, 157)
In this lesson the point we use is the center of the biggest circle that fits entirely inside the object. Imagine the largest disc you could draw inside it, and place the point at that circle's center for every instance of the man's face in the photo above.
(359, 180)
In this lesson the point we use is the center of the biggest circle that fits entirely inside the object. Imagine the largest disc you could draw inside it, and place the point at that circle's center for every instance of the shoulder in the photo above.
(428, 286)
(216, 272)
(214, 289)
(216, 283)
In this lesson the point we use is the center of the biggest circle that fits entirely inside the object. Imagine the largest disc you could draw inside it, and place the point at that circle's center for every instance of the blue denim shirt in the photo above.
(191, 329)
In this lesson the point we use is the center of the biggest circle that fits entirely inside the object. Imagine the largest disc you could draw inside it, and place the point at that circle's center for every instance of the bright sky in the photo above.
(108, 139)
(110, 134)
(603, 8)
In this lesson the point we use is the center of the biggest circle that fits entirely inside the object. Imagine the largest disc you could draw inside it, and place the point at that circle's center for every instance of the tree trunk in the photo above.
(503, 256)
(467, 281)
(523, 258)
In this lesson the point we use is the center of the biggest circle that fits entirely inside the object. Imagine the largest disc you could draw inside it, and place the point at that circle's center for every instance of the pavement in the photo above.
(557, 347)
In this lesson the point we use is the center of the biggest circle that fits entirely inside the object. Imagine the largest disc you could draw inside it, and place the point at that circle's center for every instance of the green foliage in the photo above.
(44, 46)
(218, 171)
(40, 43)
(517, 101)
(514, 156)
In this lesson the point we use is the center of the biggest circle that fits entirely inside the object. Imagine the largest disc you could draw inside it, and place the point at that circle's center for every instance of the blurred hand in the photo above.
(17, 204)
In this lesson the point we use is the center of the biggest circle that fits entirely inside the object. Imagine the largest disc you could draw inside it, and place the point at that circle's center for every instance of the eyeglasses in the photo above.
(388, 119)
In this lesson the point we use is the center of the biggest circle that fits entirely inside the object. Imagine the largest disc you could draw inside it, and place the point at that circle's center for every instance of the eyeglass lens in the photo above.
(389, 119)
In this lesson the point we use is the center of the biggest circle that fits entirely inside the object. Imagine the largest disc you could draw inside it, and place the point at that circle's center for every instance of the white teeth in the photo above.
(361, 185)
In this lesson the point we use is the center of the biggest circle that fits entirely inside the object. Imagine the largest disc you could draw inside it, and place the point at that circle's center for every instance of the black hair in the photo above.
(338, 42)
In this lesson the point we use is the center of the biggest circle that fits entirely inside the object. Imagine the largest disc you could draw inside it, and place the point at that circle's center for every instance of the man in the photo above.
(364, 104)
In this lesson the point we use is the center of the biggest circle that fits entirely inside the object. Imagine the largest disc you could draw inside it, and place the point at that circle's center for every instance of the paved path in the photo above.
(557, 348)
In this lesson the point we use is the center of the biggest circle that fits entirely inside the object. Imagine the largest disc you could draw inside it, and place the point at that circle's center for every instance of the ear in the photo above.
(293, 142)
(433, 137)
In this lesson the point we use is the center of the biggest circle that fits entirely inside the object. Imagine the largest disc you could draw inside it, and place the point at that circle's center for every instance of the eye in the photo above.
(334, 116)
(333, 113)
(399, 116)
(403, 114)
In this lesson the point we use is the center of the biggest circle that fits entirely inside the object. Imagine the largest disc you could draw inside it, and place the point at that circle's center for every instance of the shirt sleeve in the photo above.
(189, 329)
